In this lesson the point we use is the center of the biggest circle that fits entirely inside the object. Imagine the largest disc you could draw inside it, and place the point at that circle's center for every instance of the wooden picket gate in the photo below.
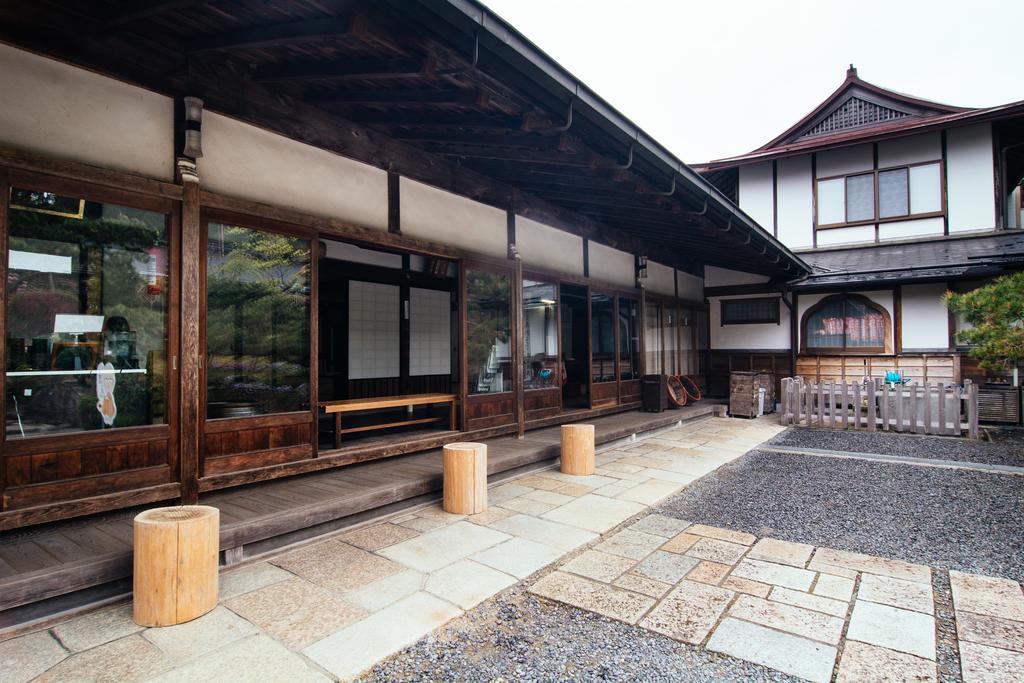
(944, 409)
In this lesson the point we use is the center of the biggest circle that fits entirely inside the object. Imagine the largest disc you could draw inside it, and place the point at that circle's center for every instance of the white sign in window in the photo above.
(831, 201)
(925, 189)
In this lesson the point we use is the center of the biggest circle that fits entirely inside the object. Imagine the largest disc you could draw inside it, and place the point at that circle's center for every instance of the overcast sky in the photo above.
(716, 78)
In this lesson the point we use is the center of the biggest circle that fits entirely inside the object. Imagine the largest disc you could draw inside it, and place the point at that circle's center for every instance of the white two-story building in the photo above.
(891, 200)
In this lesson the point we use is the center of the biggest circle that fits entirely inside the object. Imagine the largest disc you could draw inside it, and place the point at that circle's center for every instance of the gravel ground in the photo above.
(1007, 449)
(955, 519)
(516, 637)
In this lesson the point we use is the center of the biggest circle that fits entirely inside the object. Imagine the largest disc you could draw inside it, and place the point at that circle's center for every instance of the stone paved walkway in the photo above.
(812, 612)
(331, 609)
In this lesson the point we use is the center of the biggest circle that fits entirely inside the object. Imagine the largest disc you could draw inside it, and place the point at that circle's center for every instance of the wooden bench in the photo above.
(353, 405)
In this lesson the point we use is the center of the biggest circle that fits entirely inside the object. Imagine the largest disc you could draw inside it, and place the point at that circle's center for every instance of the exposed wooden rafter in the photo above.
(344, 70)
(278, 34)
(402, 96)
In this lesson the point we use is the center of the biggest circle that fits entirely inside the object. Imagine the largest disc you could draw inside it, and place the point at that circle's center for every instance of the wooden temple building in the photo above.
(271, 256)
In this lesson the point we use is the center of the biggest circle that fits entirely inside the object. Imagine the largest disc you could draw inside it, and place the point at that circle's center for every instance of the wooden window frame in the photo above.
(941, 213)
(88, 190)
(774, 320)
(846, 349)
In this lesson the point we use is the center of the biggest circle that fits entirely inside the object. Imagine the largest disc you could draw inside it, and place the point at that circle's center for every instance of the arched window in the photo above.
(846, 322)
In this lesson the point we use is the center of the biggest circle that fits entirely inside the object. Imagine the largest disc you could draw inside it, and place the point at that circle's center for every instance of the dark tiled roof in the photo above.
(930, 261)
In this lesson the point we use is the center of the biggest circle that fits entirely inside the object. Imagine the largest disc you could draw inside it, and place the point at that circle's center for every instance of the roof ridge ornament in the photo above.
(851, 72)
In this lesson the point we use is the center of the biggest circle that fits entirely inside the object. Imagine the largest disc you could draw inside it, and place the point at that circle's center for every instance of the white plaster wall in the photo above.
(925, 317)
(244, 161)
(691, 287)
(910, 150)
(68, 113)
(854, 235)
(796, 202)
(844, 160)
(922, 227)
(725, 337)
(755, 193)
(969, 178)
(660, 279)
(542, 246)
(612, 266)
(881, 297)
(445, 218)
(724, 277)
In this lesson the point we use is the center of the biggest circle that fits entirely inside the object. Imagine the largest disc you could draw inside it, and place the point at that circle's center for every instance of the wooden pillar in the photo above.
(578, 449)
(191, 352)
(175, 564)
(465, 478)
(5, 193)
(518, 350)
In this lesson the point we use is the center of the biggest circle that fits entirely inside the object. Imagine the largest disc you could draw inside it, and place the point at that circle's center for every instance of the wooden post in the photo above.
(832, 404)
(191, 353)
(942, 409)
(972, 409)
(885, 407)
(175, 564)
(821, 403)
(578, 449)
(913, 407)
(465, 478)
(856, 405)
(518, 344)
(927, 408)
(784, 407)
(872, 408)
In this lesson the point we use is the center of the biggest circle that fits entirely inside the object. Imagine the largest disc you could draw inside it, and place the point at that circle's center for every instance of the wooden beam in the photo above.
(343, 70)
(150, 10)
(407, 97)
(277, 34)
(504, 139)
(394, 203)
(191, 353)
(392, 122)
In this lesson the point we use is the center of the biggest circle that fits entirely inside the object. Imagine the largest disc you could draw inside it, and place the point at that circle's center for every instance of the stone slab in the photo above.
(883, 566)
(599, 566)
(519, 557)
(799, 656)
(835, 587)
(783, 617)
(378, 536)
(681, 543)
(642, 584)
(386, 591)
(893, 628)
(651, 491)
(896, 592)
(740, 537)
(527, 506)
(747, 586)
(660, 525)
(25, 657)
(837, 608)
(863, 663)
(984, 664)
(132, 658)
(594, 513)
(352, 650)
(489, 516)
(785, 652)
(632, 544)
(593, 596)
(988, 595)
(249, 578)
(688, 612)
(667, 567)
(716, 550)
(256, 658)
(296, 612)
(96, 628)
(467, 583)
(709, 572)
(774, 574)
(318, 563)
(781, 552)
(992, 631)
(549, 497)
(443, 546)
(194, 638)
(561, 536)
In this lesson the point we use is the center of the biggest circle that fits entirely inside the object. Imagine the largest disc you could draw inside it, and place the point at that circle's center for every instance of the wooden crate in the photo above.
(744, 388)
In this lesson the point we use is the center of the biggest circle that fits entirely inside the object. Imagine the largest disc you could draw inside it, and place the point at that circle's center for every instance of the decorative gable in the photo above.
(853, 113)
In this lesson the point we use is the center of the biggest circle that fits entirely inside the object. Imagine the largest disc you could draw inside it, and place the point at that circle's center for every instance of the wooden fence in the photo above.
(926, 408)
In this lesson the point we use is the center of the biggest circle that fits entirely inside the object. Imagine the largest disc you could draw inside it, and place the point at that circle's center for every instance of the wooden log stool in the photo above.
(578, 449)
(175, 564)
(465, 478)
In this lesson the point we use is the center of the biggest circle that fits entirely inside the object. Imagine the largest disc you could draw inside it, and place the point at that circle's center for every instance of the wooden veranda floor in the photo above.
(55, 567)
